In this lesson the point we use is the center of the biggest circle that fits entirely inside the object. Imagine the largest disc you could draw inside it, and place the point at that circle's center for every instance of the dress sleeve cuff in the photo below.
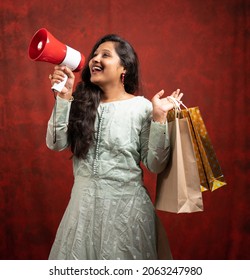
(62, 109)
(158, 136)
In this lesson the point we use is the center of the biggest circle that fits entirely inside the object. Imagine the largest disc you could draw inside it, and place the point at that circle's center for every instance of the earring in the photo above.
(122, 78)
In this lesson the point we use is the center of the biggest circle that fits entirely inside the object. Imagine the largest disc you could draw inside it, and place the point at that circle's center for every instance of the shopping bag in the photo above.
(178, 186)
(210, 173)
(211, 177)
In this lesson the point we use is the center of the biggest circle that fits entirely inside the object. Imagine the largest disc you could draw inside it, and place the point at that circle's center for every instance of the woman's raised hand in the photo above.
(161, 106)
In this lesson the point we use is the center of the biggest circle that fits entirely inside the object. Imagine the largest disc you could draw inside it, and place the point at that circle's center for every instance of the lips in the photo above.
(96, 69)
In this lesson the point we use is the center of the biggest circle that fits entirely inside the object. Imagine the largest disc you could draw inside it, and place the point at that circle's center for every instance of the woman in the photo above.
(110, 131)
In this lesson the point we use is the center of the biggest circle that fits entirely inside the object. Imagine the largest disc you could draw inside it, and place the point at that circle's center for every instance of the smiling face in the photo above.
(105, 66)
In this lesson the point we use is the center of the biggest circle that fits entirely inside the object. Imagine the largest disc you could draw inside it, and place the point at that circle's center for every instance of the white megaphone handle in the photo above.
(59, 86)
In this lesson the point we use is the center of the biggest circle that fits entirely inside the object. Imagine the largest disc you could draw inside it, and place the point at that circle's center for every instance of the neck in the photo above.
(113, 94)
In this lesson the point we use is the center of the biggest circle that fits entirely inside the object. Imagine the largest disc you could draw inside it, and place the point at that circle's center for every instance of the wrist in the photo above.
(159, 120)
(66, 96)
(69, 98)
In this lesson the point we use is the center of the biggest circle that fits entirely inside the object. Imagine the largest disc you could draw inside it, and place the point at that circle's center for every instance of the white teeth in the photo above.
(97, 68)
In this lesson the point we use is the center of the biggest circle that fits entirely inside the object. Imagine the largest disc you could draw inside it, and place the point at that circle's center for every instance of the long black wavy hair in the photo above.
(87, 96)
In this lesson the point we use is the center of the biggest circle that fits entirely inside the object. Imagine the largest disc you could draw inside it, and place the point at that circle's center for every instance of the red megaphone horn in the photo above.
(45, 47)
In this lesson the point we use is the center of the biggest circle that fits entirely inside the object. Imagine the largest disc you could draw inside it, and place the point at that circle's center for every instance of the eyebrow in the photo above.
(103, 50)
(106, 50)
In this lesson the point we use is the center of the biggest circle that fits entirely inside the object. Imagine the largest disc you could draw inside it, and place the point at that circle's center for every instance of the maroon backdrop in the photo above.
(201, 47)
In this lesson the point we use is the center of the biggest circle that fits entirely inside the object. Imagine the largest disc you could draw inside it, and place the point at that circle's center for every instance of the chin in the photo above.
(95, 82)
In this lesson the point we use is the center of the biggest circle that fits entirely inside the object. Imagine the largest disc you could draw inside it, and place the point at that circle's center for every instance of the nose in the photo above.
(93, 60)
(96, 58)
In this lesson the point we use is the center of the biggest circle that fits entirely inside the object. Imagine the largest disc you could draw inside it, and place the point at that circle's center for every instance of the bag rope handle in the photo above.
(177, 103)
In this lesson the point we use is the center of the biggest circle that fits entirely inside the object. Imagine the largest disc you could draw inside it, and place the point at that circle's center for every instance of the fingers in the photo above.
(158, 95)
(59, 74)
(69, 73)
(180, 96)
(177, 94)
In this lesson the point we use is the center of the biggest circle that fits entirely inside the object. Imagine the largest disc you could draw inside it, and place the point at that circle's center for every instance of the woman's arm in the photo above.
(155, 146)
(56, 137)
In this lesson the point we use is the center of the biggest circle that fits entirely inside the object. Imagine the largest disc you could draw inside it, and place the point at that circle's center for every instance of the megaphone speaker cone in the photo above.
(45, 47)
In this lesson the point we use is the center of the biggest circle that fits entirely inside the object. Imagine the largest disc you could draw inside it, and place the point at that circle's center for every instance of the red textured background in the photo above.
(201, 47)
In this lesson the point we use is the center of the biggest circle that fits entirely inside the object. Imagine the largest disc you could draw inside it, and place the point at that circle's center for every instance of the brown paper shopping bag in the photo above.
(178, 186)
(210, 173)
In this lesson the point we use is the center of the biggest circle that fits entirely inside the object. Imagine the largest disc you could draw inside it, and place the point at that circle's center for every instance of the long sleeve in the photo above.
(155, 146)
(58, 124)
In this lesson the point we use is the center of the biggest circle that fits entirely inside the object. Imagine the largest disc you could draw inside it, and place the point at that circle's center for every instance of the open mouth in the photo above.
(96, 69)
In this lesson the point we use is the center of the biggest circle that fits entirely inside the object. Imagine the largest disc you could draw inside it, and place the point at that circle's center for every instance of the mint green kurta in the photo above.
(110, 215)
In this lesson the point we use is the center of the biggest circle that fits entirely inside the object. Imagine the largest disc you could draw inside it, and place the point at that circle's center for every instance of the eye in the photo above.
(106, 54)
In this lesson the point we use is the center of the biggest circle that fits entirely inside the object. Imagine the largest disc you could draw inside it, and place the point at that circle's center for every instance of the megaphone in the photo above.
(45, 47)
